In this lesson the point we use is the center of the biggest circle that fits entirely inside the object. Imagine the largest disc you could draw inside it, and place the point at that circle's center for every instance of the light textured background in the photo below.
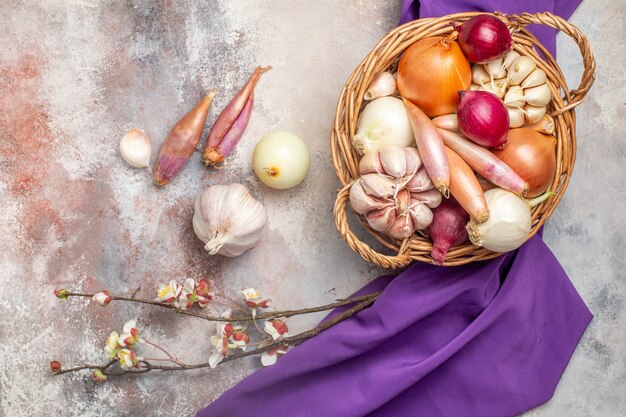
(75, 75)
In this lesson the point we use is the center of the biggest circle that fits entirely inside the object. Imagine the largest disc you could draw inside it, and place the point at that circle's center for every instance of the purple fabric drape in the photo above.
(486, 339)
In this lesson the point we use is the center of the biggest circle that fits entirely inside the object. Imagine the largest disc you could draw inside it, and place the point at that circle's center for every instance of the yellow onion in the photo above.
(430, 74)
(532, 156)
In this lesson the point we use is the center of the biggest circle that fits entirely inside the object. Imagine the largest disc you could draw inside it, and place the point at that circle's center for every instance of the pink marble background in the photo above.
(74, 76)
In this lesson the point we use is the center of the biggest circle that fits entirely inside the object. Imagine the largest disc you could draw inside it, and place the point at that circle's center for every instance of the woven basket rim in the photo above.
(385, 54)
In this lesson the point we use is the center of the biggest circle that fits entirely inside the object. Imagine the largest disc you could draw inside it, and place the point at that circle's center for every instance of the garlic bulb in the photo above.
(509, 221)
(394, 192)
(518, 81)
(136, 148)
(383, 122)
(228, 219)
(383, 85)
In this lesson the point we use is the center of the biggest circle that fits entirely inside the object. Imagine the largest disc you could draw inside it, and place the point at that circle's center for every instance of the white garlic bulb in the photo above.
(394, 192)
(136, 148)
(520, 84)
(228, 219)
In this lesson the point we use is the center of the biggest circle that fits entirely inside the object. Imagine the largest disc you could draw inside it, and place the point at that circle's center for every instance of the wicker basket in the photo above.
(385, 55)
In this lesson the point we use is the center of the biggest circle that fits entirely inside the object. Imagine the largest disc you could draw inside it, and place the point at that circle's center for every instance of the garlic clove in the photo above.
(363, 203)
(534, 114)
(538, 96)
(520, 69)
(480, 75)
(370, 163)
(403, 201)
(516, 117)
(381, 220)
(545, 125)
(431, 198)
(136, 149)
(535, 78)
(497, 87)
(514, 97)
(402, 227)
(421, 215)
(495, 68)
(509, 59)
(383, 85)
(378, 185)
(413, 160)
(420, 182)
(393, 161)
(475, 87)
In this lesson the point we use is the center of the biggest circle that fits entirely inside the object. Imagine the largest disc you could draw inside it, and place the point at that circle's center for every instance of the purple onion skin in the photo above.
(483, 118)
(484, 38)
(447, 228)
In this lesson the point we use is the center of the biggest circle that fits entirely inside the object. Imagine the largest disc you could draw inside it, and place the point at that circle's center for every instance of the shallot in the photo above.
(485, 163)
(447, 228)
(232, 122)
(430, 147)
(181, 142)
(465, 188)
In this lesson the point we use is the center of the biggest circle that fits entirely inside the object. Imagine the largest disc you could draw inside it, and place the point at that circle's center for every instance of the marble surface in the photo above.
(76, 74)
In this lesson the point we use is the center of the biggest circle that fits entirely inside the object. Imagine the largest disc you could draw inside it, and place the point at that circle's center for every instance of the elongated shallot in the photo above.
(430, 147)
(485, 163)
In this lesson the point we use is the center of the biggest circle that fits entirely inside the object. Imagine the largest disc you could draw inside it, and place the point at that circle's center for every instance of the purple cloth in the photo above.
(490, 338)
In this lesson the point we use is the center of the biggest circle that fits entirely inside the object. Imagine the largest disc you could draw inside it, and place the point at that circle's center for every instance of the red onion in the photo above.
(483, 118)
(484, 38)
(447, 228)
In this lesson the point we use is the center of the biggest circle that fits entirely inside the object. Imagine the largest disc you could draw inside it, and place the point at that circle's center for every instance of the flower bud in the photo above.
(55, 366)
(103, 297)
(62, 293)
(99, 376)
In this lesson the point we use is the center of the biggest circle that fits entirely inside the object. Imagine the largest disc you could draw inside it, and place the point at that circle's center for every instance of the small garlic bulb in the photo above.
(136, 148)
(228, 219)
(519, 82)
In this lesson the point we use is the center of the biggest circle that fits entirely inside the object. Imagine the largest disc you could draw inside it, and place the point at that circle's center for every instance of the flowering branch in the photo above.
(146, 366)
(231, 333)
(271, 314)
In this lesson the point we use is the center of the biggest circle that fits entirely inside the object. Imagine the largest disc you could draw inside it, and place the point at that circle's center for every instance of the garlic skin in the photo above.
(136, 149)
(383, 85)
(508, 225)
(228, 219)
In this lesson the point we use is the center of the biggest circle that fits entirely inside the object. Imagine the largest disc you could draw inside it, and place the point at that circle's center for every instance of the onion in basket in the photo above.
(430, 74)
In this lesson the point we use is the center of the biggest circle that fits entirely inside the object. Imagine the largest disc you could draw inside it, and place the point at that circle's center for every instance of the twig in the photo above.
(266, 315)
(295, 340)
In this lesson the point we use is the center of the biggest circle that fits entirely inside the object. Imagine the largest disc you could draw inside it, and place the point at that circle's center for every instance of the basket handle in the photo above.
(390, 262)
(578, 95)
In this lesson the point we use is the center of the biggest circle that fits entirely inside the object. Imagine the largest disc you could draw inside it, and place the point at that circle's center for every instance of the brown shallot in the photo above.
(181, 142)
(430, 147)
(464, 186)
(485, 163)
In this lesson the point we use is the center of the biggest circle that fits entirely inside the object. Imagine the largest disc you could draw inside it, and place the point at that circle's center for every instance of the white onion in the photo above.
(281, 160)
(383, 122)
